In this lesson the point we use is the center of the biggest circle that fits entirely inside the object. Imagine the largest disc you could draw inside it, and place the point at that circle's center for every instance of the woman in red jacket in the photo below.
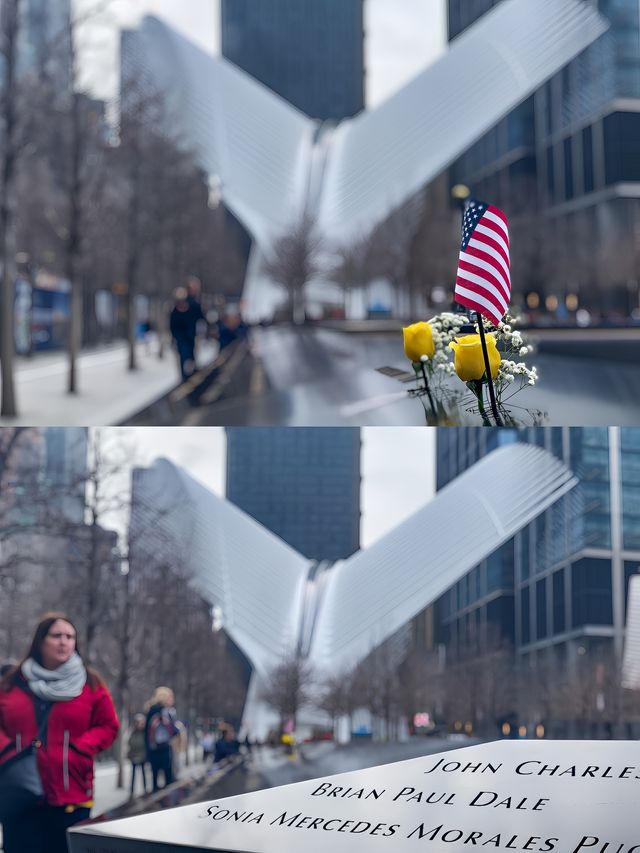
(63, 709)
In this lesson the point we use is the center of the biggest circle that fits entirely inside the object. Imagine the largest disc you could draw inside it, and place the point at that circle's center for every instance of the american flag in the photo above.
(483, 282)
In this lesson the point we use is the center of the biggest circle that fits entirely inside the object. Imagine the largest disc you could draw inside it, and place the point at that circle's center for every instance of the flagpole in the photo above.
(487, 367)
(463, 193)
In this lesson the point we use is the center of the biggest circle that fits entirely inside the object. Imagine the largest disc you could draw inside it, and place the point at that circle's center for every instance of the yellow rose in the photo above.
(418, 341)
(469, 361)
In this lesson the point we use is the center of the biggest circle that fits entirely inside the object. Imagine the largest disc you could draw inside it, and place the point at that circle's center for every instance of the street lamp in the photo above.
(215, 192)
(460, 192)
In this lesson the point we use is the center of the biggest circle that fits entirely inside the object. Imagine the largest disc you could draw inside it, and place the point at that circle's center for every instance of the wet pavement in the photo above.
(325, 761)
(322, 377)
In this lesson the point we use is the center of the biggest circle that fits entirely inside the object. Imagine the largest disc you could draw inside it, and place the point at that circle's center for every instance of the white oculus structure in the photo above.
(274, 601)
(272, 163)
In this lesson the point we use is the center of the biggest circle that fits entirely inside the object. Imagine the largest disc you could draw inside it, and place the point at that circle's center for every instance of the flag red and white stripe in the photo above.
(483, 282)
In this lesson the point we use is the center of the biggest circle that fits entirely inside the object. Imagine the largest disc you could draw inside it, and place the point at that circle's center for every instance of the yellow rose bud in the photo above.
(418, 341)
(469, 361)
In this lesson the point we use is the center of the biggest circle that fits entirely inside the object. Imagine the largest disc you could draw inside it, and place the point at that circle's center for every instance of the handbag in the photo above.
(20, 783)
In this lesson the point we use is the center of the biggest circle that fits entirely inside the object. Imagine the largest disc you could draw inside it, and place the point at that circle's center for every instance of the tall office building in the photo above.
(46, 542)
(45, 475)
(570, 153)
(302, 484)
(44, 44)
(310, 52)
(560, 585)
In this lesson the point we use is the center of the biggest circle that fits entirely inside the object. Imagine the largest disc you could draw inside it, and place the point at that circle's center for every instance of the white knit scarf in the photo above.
(56, 685)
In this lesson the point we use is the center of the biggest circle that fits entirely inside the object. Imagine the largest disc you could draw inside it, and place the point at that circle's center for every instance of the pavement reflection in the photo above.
(322, 377)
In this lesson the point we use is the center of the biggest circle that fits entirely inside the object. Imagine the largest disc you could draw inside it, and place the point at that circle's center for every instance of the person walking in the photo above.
(185, 319)
(179, 745)
(160, 728)
(208, 744)
(226, 745)
(183, 324)
(137, 752)
(56, 715)
(194, 295)
(231, 327)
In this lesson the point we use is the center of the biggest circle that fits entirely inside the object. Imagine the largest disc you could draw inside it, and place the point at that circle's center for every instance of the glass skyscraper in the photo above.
(569, 152)
(310, 52)
(561, 583)
(554, 596)
(47, 470)
(302, 484)
(44, 46)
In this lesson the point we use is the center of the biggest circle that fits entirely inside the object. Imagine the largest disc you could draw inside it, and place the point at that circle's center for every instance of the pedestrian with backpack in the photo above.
(56, 715)
(137, 751)
(159, 730)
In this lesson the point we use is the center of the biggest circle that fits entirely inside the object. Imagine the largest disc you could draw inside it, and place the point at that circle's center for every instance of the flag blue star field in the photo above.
(483, 282)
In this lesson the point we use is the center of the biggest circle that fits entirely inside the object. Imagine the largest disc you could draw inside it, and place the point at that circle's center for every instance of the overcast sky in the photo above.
(397, 467)
(402, 36)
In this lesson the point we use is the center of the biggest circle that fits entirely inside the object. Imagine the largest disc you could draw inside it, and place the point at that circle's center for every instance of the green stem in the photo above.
(478, 391)
(428, 390)
(487, 368)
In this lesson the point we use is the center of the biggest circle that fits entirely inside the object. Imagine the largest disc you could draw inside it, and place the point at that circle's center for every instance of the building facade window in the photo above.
(622, 153)
(524, 553)
(590, 461)
(630, 476)
(500, 568)
(591, 592)
(587, 159)
(559, 620)
(568, 169)
(525, 621)
(541, 609)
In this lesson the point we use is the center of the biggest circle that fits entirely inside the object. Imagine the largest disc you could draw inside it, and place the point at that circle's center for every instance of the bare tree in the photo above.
(67, 542)
(419, 684)
(293, 261)
(389, 252)
(376, 688)
(288, 687)
(352, 269)
(169, 223)
(434, 244)
(479, 683)
(337, 696)
(9, 440)
(81, 140)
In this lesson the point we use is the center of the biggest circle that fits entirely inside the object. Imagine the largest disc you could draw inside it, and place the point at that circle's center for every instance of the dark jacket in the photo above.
(183, 321)
(137, 751)
(76, 731)
(225, 748)
(167, 716)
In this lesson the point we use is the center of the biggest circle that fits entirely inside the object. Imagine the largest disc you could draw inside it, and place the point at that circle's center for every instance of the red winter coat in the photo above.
(76, 731)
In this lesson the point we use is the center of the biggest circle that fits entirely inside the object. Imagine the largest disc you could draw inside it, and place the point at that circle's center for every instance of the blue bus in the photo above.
(42, 314)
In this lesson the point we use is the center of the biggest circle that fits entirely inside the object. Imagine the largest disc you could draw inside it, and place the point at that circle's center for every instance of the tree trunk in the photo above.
(93, 594)
(133, 256)
(8, 406)
(123, 679)
(73, 245)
